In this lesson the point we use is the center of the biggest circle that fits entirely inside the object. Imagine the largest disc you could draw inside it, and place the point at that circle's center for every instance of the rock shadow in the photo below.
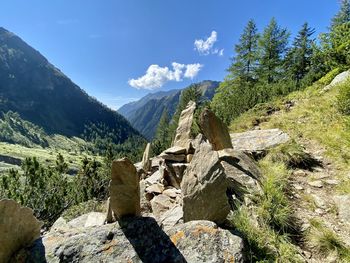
(33, 254)
(150, 242)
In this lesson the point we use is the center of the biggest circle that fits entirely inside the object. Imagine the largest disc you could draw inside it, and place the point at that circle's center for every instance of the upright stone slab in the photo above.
(183, 131)
(215, 130)
(124, 189)
(18, 228)
(146, 161)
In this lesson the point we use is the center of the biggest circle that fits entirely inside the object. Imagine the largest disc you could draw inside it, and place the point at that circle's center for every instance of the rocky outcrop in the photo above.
(140, 240)
(215, 130)
(18, 228)
(214, 179)
(204, 187)
(258, 141)
(146, 161)
(124, 189)
(340, 78)
(183, 131)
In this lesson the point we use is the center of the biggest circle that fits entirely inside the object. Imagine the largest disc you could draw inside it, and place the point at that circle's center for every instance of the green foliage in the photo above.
(272, 47)
(292, 155)
(45, 190)
(343, 98)
(245, 62)
(162, 138)
(14, 129)
(343, 15)
(83, 208)
(327, 242)
(298, 58)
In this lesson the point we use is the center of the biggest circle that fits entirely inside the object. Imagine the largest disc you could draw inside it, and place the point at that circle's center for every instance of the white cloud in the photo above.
(157, 76)
(206, 47)
(192, 70)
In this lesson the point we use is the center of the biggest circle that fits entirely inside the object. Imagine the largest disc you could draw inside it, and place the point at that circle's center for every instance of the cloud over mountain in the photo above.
(206, 47)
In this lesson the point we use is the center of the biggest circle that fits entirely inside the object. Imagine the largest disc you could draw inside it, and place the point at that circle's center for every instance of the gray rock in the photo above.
(140, 240)
(176, 150)
(172, 192)
(87, 220)
(124, 189)
(214, 130)
(18, 227)
(155, 189)
(317, 184)
(160, 204)
(204, 187)
(258, 141)
(173, 157)
(156, 177)
(146, 162)
(340, 78)
(175, 173)
(183, 131)
(171, 217)
(343, 205)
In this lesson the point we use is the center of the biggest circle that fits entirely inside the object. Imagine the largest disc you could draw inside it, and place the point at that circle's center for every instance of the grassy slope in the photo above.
(312, 120)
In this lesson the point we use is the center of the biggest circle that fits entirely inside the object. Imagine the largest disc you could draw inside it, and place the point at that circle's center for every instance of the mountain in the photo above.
(43, 95)
(145, 113)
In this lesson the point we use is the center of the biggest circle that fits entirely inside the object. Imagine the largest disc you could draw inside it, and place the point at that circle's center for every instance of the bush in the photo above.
(343, 99)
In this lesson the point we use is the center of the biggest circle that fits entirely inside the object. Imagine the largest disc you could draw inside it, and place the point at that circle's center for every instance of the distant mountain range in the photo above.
(145, 113)
(43, 95)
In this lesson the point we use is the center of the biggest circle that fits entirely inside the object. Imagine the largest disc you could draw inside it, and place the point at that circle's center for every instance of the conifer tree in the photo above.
(162, 138)
(298, 58)
(272, 46)
(343, 16)
(245, 61)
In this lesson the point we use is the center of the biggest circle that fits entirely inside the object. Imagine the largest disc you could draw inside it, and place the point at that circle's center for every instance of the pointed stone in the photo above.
(124, 189)
(183, 131)
(146, 161)
(215, 130)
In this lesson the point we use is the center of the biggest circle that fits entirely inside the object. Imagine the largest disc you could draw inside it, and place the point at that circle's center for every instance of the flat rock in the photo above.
(171, 217)
(160, 204)
(156, 177)
(88, 220)
(172, 192)
(258, 140)
(317, 184)
(155, 189)
(173, 157)
(175, 150)
(140, 239)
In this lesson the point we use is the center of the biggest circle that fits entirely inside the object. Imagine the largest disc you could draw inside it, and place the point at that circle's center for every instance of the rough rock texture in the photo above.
(140, 240)
(124, 189)
(338, 79)
(258, 141)
(160, 204)
(215, 130)
(146, 162)
(183, 131)
(343, 205)
(242, 172)
(204, 187)
(175, 173)
(18, 228)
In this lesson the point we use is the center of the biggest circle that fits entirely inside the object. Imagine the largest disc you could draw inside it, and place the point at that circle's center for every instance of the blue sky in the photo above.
(107, 46)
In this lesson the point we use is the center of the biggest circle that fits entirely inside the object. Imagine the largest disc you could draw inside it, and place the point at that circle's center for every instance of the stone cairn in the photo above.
(196, 179)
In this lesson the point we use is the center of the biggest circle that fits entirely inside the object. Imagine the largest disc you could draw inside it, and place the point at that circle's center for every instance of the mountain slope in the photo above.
(145, 114)
(43, 95)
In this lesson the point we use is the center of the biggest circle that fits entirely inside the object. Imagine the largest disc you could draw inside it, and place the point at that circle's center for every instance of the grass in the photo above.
(268, 226)
(327, 242)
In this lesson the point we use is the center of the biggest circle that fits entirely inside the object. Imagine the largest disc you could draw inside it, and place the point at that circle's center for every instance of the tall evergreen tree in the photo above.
(245, 61)
(298, 58)
(162, 138)
(343, 16)
(272, 47)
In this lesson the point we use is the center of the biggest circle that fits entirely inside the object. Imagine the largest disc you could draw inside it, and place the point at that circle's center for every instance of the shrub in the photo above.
(343, 99)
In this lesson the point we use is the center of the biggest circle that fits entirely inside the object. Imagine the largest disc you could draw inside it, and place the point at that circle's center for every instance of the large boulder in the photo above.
(183, 131)
(18, 228)
(140, 240)
(214, 130)
(124, 189)
(204, 187)
(258, 141)
(340, 78)
(214, 179)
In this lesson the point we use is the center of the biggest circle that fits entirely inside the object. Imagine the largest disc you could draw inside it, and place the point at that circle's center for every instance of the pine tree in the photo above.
(343, 16)
(272, 47)
(245, 61)
(298, 58)
(162, 138)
